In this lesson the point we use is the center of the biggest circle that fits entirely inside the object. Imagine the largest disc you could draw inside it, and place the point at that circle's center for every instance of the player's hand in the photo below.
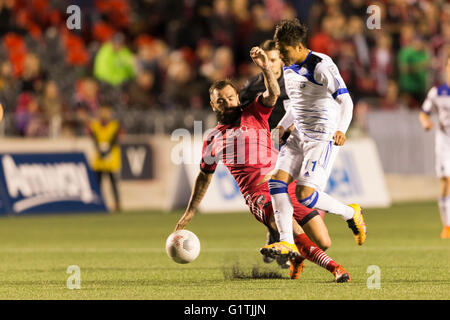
(259, 57)
(339, 138)
(427, 124)
(184, 220)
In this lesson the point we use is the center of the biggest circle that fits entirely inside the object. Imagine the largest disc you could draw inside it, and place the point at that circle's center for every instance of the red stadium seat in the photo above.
(102, 31)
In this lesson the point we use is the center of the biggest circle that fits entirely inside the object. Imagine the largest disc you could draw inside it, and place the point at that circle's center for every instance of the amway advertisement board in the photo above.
(32, 183)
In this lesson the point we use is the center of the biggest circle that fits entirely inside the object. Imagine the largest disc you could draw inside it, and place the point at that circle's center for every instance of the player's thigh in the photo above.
(317, 157)
(329, 166)
(289, 160)
(317, 231)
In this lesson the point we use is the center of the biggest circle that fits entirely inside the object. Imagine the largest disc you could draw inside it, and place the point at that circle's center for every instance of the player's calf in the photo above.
(310, 251)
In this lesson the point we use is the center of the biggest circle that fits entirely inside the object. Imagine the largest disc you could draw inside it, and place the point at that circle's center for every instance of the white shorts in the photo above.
(307, 161)
(442, 152)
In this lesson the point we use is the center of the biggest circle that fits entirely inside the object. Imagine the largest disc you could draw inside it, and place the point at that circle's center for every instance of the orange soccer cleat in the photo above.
(296, 268)
(341, 275)
(445, 234)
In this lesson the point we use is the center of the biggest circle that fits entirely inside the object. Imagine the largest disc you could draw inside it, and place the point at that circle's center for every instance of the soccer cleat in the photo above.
(281, 248)
(445, 234)
(283, 262)
(296, 268)
(357, 225)
(341, 275)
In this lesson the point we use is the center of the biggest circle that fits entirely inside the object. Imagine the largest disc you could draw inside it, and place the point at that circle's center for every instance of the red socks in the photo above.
(310, 251)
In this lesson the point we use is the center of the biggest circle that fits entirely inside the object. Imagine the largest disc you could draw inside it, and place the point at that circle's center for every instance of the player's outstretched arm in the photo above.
(425, 121)
(346, 103)
(427, 107)
(200, 186)
(270, 96)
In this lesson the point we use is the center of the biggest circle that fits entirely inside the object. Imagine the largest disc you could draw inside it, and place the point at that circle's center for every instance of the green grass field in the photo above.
(122, 256)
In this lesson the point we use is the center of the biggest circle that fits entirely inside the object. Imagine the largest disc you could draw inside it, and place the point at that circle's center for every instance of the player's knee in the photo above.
(281, 175)
(446, 181)
(304, 191)
(307, 196)
(445, 186)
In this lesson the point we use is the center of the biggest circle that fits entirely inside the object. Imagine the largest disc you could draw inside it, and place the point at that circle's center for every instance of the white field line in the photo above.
(159, 250)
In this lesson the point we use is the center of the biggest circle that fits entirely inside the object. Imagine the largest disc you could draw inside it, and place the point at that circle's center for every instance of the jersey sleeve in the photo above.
(260, 110)
(428, 105)
(209, 159)
(328, 75)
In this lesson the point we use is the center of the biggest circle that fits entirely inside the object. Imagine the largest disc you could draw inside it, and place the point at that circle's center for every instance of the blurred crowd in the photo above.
(153, 60)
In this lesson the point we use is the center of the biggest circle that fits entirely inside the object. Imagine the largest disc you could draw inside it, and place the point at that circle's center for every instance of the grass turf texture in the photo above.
(122, 256)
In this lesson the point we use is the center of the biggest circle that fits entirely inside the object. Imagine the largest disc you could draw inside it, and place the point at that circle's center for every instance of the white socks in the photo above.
(444, 208)
(282, 209)
(325, 202)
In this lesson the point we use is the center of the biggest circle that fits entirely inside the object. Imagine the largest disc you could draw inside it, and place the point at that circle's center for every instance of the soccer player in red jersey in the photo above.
(242, 141)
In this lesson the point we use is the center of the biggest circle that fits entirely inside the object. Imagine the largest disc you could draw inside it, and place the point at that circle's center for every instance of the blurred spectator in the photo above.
(28, 117)
(140, 93)
(9, 87)
(382, 62)
(114, 63)
(440, 44)
(414, 61)
(355, 31)
(6, 16)
(86, 96)
(221, 24)
(52, 108)
(322, 40)
(32, 78)
(220, 67)
(179, 89)
(263, 27)
(105, 132)
(390, 100)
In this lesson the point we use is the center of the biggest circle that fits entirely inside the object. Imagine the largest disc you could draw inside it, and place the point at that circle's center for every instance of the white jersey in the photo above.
(312, 87)
(438, 100)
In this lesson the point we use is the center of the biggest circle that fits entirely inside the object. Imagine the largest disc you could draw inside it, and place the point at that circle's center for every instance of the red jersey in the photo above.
(246, 150)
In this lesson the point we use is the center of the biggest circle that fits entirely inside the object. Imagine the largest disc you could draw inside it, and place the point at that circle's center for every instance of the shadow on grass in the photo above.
(236, 272)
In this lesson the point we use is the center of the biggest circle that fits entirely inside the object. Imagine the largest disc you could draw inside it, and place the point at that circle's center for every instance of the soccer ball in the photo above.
(183, 246)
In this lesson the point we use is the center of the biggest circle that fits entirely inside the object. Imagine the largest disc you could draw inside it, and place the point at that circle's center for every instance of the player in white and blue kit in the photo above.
(438, 101)
(321, 110)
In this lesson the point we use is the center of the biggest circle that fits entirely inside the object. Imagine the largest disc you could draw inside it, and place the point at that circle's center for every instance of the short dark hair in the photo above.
(290, 32)
(220, 84)
(268, 45)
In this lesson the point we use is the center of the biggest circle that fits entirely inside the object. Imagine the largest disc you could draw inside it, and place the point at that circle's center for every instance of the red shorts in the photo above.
(261, 206)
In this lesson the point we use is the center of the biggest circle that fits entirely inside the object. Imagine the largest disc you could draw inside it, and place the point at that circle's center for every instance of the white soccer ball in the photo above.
(183, 246)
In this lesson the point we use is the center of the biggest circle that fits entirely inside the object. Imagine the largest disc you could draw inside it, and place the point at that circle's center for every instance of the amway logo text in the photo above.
(45, 183)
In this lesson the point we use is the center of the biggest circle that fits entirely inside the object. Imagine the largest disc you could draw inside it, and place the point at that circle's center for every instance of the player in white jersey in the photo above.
(321, 110)
(438, 100)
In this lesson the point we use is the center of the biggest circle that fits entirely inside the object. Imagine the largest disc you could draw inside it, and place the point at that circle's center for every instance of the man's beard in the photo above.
(230, 116)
